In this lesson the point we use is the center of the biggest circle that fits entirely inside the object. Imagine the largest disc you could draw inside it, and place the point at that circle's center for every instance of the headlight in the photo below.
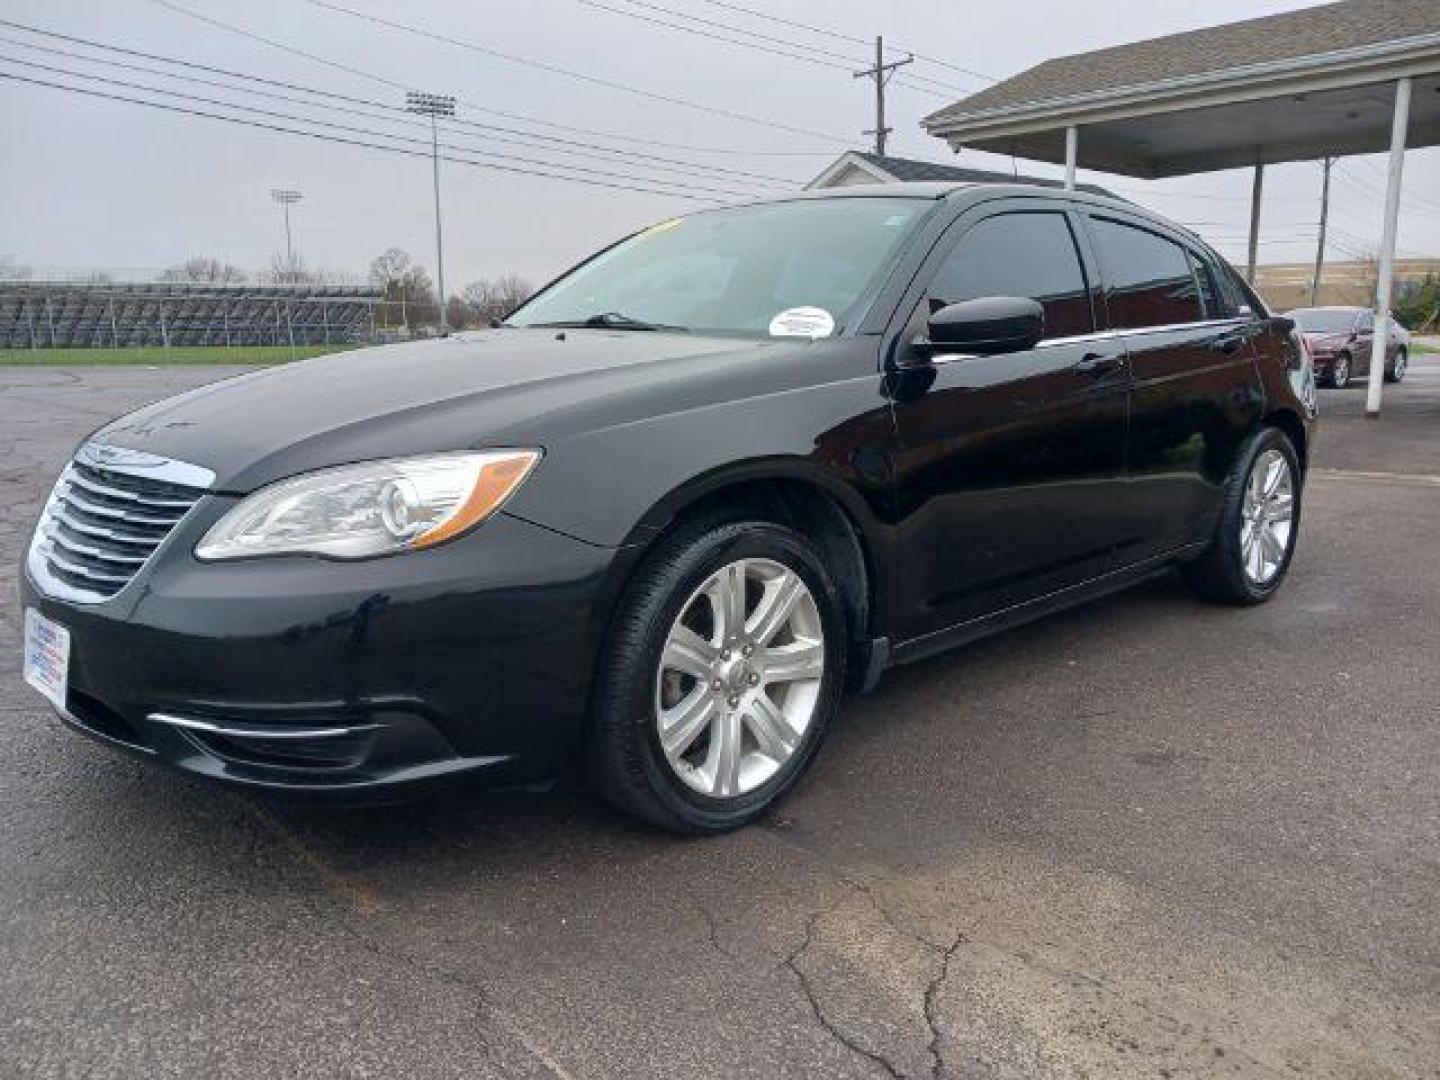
(356, 511)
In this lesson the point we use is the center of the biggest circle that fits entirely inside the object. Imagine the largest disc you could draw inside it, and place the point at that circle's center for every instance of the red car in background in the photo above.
(1341, 338)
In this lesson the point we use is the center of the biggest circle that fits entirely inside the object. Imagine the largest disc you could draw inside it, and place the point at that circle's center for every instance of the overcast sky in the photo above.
(87, 183)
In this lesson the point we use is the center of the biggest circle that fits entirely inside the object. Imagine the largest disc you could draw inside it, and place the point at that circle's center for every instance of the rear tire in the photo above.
(705, 714)
(1259, 524)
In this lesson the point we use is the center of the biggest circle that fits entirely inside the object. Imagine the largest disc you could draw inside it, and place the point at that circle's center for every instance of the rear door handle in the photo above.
(1098, 363)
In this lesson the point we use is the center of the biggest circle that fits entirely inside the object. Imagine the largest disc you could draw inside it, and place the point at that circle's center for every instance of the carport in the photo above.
(1355, 77)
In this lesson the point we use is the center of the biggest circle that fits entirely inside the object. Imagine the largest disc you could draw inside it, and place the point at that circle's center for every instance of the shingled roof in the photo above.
(911, 170)
(1288, 36)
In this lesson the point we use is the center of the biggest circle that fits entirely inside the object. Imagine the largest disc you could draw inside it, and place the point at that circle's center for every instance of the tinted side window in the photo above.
(1149, 277)
(1023, 254)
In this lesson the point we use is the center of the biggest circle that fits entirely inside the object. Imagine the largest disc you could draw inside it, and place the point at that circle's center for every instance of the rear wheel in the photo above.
(1259, 519)
(721, 675)
(1340, 373)
(1397, 369)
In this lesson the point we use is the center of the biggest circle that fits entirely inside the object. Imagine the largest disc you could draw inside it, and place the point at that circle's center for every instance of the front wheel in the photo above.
(1340, 374)
(1259, 519)
(1397, 369)
(721, 673)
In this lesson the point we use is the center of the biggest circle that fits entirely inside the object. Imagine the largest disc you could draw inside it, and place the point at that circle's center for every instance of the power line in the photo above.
(488, 110)
(1367, 188)
(498, 155)
(541, 65)
(844, 37)
(822, 57)
(506, 135)
(765, 44)
(180, 95)
(323, 137)
(761, 42)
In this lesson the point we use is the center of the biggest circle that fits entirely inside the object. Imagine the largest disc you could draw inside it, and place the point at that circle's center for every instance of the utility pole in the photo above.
(1326, 163)
(434, 106)
(285, 197)
(881, 73)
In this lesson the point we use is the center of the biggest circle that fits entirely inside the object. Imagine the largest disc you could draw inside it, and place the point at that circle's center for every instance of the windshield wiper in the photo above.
(614, 320)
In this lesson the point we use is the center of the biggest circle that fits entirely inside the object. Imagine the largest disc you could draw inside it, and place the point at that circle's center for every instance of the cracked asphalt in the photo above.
(1145, 838)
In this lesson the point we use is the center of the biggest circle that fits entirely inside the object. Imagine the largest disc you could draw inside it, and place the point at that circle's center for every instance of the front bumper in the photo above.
(342, 678)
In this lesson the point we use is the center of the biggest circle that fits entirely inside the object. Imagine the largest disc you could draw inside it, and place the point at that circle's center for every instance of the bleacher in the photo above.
(41, 314)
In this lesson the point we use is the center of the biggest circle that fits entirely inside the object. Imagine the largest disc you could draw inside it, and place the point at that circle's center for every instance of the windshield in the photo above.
(1324, 320)
(744, 270)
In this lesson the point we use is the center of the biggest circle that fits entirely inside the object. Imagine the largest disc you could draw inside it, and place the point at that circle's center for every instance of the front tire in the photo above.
(1340, 374)
(1397, 369)
(1259, 523)
(720, 675)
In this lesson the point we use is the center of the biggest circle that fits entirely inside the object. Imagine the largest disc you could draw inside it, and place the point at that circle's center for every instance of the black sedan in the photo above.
(662, 518)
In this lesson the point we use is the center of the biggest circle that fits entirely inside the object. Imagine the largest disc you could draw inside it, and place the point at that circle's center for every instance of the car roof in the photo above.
(942, 189)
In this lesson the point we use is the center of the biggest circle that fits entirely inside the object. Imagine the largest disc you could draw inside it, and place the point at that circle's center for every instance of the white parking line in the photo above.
(1383, 477)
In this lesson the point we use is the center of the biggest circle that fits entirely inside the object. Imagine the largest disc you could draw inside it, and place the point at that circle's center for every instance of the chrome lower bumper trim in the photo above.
(208, 727)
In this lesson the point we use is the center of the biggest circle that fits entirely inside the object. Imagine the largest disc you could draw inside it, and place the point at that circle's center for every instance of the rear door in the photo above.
(1008, 467)
(1195, 393)
(1364, 342)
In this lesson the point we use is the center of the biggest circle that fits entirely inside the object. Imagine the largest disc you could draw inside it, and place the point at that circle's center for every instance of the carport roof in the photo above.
(1286, 87)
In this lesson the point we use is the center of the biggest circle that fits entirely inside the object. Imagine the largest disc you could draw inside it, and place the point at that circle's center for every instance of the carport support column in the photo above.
(1256, 190)
(1072, 155)
(1399, 125)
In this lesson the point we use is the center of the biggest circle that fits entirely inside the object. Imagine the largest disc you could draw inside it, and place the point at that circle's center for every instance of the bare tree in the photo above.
(494, 298)
(457, 314)
(290, 270)
(204, 268)
(406, 285)
(512, 290)
(388, 267)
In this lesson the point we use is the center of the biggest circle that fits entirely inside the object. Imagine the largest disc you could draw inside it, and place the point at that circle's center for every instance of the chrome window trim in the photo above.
(1105, 335)
(942, 359)
(1199, 324)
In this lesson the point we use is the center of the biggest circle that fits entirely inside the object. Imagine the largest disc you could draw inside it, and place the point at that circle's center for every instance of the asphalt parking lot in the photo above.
(1145, 838)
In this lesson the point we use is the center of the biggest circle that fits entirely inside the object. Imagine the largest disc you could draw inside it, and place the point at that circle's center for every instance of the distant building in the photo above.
(859, 167)
(1287, 285)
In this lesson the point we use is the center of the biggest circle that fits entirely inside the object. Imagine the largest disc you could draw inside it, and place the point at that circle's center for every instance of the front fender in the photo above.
(616, 484)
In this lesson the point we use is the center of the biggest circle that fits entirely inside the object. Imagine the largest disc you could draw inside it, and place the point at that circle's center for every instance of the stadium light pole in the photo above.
(286, 196)
(434, 106)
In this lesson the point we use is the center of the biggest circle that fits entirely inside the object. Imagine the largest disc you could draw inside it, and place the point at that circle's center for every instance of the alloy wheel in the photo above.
(1341, 374)
(739, 677)
(1267, 517)
(1398, 372)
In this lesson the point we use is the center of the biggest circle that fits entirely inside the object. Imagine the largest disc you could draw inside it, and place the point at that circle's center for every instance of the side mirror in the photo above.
(988, 326)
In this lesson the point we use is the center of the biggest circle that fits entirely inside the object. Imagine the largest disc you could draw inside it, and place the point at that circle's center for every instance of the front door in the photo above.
(1007, 467)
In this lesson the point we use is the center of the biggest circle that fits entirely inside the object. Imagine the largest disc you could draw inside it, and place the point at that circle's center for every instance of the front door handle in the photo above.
(1098, 363)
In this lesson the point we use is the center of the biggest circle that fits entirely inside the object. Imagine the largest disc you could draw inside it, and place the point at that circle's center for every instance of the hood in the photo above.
(498, 387)
(1324, 341)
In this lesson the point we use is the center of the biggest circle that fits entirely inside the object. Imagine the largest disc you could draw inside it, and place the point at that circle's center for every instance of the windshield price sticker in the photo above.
(806, 322)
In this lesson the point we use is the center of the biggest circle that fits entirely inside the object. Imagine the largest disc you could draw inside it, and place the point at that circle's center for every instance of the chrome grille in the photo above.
(110, 510)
